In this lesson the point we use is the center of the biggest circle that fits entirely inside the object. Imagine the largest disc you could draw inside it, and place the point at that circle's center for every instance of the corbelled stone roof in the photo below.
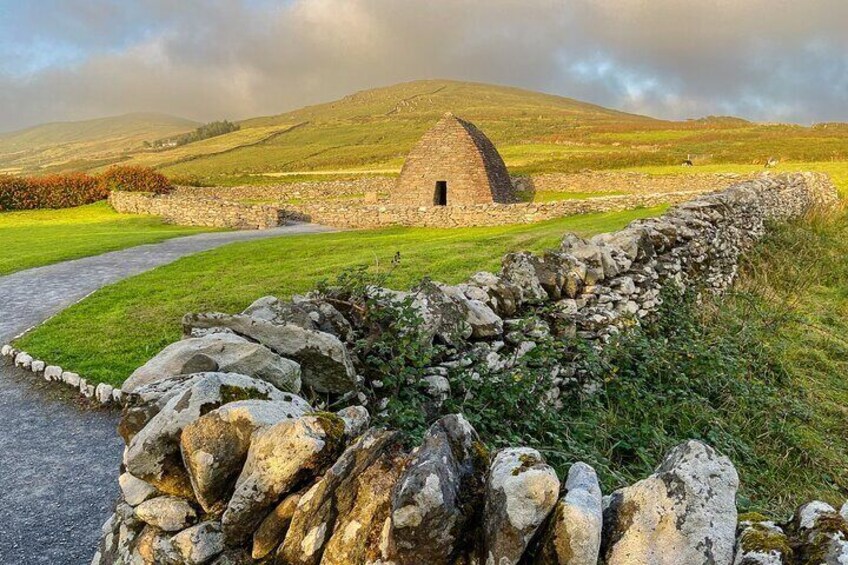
(456, 152)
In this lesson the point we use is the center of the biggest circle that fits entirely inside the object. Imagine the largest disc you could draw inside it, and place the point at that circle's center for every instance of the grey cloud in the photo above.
(763, 59)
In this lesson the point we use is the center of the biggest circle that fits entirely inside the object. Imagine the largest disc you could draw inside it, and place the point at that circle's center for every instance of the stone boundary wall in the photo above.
(207, 212)
(311, 190)
(359, 216)
(627, 182)
(225, 463)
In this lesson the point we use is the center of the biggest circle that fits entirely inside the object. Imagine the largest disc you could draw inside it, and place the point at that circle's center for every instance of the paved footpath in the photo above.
(59, 460)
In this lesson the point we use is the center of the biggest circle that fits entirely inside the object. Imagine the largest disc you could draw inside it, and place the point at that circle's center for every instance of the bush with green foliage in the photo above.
(135, 179)
(51, 191)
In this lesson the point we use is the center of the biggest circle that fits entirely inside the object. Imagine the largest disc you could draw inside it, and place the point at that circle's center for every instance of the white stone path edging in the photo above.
(46, 291)
(104, 393)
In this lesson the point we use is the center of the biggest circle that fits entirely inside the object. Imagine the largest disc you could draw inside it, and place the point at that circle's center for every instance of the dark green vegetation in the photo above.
(370, 132)
(759, 374)
(206, 131)
(106, 336)
(40, 237)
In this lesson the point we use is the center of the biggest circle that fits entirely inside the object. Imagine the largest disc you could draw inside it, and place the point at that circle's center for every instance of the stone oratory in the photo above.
(453, 164)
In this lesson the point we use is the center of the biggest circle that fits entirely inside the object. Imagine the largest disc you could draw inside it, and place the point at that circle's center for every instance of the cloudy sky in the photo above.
(771, 60)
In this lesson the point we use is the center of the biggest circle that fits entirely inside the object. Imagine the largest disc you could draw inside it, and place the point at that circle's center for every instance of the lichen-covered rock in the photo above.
(199, 544)
(520, 493)
(153, 547)
(308, 313)
(314, 519)
(323, 358)
(222, 352)
(442, 315)
(167, 513)
(142, 405)
(499, 294)
(683, 514)
(214, 447)
(573, 534)
(819, 534)
(519, 270)
(761, 542)
(359, 535)
(153, 454)
(356, 420)
(134, 490)
(279, 458)
(273, 529)
(436, 497)
(119, 534)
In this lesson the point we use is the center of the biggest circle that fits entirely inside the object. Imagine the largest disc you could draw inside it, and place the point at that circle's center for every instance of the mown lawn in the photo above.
(34, 238)
(106, 336)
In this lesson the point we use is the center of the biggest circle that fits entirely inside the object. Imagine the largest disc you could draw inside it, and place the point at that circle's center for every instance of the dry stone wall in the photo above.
(186, 211)
(227, 462)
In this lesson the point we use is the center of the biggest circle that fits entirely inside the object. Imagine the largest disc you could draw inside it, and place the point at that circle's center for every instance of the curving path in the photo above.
(58, 459)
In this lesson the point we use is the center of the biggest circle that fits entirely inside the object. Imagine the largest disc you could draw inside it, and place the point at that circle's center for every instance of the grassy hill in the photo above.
(370, 132)
(84, 144)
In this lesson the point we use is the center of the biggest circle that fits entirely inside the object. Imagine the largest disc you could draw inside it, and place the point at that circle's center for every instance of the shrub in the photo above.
(135, 179)
(52, 191)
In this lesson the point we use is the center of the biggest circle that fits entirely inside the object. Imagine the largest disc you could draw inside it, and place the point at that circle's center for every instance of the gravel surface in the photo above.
(59, 457)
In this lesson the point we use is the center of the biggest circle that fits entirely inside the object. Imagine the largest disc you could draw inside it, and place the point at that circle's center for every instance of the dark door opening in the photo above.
(441, 198)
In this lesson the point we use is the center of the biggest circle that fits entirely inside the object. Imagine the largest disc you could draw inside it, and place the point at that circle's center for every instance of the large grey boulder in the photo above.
(573, 534)
(683, 514)
(280, 457)
(308, 313)
(520, 493)
(153, 454)
(820, 534)
(314, 519)
(429, 515)
(324, 360)
(214, 447)
(222, 352)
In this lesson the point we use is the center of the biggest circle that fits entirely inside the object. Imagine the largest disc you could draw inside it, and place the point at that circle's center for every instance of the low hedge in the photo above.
(76, 189)
(135, 179)
(52, 191)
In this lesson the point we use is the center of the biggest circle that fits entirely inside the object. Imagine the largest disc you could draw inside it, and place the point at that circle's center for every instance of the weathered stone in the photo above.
(153, 547)
(167, 513)
(23, 360)
(273, 529)
(503, 296)
(214, 447)
(53, 373)
(310, 314)
(820, 534)
(147, 401)
(199, 544)
(279, 458)
(685, 513)
(153, 454)
(573, 534)
(356, 420)
(519, 269)
(359, 533)
(432, 505)
(223, 352)
(135, 491)
(37, 366)
(103, 392)
(761, 542)
(314, 519)
(323, 358)
(520, 493)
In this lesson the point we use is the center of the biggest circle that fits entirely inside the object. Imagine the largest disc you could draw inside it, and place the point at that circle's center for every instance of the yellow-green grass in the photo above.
(109, 334)
(34, 238)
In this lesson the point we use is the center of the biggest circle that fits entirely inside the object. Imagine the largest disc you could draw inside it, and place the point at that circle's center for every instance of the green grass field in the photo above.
(39, 237)
(107, 335)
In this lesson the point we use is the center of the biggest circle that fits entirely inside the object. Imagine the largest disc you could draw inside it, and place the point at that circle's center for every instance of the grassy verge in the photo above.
(39, 237)
(118, 328)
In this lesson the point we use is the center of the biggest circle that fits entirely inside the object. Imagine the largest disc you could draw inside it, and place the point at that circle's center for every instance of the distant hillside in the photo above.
(372, 131)
(84, 144)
